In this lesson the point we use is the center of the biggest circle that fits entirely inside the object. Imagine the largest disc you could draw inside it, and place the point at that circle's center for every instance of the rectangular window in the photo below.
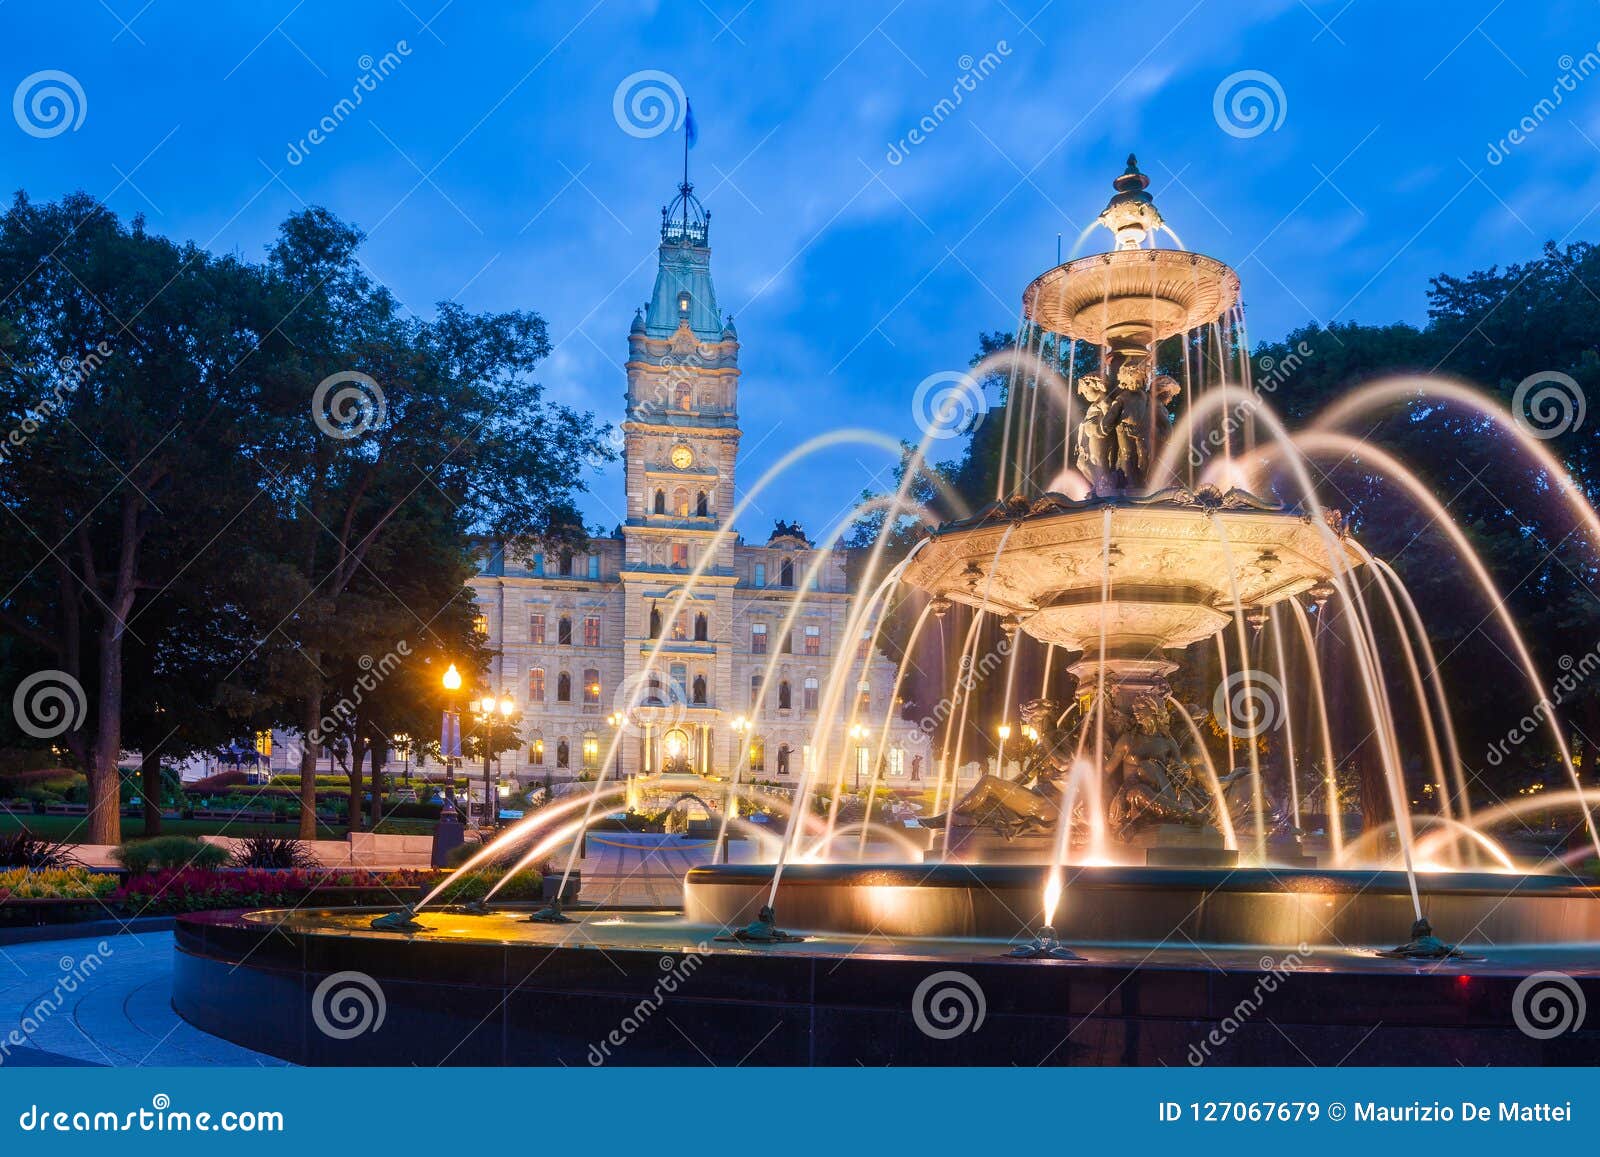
(897, 762)
(755, 689)
(680, 556)
(591, 688)
(591, 631)
(813, 640)
(564, 631)
(536, 685)
(594, 566)
(591, 752)
(536, 753)
(536, 627)
(809, 695)
(788, 643)
(758, 638)
(760, 579)
(866, 644)
(480, 625)
(538, 565)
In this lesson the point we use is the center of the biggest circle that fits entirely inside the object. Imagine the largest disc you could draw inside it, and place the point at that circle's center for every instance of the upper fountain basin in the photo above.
(1177, 566)
(1132, 297)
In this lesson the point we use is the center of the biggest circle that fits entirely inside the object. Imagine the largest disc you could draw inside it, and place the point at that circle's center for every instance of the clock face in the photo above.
(682, 457)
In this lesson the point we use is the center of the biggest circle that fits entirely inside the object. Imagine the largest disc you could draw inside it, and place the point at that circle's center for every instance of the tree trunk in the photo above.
(105, 802)
(150, 787)
(380, 757)
(310, 729)
(358, 751)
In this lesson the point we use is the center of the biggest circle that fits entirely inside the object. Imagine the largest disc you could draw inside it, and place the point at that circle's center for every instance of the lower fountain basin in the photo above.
(1244, 907)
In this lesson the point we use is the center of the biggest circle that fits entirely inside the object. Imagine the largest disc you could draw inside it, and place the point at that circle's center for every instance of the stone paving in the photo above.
(101, 1001)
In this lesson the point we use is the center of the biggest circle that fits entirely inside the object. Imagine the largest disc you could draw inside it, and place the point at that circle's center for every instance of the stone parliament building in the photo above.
(574, 635)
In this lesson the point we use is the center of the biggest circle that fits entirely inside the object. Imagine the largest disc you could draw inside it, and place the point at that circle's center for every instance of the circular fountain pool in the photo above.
(1231, 907)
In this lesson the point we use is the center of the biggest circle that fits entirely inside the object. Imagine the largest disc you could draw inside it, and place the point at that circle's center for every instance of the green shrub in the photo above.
(475, 885)
(141, 856)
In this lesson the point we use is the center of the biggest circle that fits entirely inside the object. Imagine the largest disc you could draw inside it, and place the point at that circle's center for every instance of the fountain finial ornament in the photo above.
(1131, 213)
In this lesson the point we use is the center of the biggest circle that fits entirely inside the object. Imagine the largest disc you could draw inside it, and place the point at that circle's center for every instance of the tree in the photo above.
(128, 368)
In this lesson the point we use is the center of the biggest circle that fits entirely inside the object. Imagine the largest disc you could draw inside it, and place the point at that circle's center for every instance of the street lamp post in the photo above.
(487, 711)
(859, 734)
(452, 735)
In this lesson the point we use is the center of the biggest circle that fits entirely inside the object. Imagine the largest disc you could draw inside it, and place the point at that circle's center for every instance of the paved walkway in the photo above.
(101, 1001)
(638, 869)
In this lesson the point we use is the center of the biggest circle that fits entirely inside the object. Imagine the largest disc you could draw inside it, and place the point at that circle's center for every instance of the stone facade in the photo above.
(669, 631)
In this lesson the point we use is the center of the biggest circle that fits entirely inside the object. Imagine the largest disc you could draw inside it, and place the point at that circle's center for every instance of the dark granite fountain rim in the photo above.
(1323, 881)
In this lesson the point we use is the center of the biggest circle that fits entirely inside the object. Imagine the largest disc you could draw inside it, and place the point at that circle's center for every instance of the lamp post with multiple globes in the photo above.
(487, 712)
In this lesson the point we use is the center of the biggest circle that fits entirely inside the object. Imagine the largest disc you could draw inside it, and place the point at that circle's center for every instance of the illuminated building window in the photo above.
(536, 628)
(536, 685)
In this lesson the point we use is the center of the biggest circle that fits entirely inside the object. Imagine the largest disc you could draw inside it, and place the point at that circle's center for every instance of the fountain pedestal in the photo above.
(1180, 846)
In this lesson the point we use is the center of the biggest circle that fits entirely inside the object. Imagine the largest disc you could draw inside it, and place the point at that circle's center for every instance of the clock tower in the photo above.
(681, 443)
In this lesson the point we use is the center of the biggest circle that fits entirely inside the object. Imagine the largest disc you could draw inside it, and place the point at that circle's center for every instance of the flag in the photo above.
(450, 735)
(691, 131)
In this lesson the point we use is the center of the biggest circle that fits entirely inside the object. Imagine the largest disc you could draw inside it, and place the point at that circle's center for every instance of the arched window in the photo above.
(786, 573)
(685, 398)
(699, 691)
(563, 752)
(564, 688)
(536, 685)
(591, 751)
(661, 501)
(702, 627)
(591, 687)
(680, 502)
(758, 754)
(702, 505)
(536, 750)
(655, 622)
(785, 697)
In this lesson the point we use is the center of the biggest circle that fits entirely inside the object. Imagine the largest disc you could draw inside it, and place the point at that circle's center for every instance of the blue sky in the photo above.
(488, 165)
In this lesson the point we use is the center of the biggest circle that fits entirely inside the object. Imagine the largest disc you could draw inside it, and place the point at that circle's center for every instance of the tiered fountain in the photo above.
(1128, 529)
